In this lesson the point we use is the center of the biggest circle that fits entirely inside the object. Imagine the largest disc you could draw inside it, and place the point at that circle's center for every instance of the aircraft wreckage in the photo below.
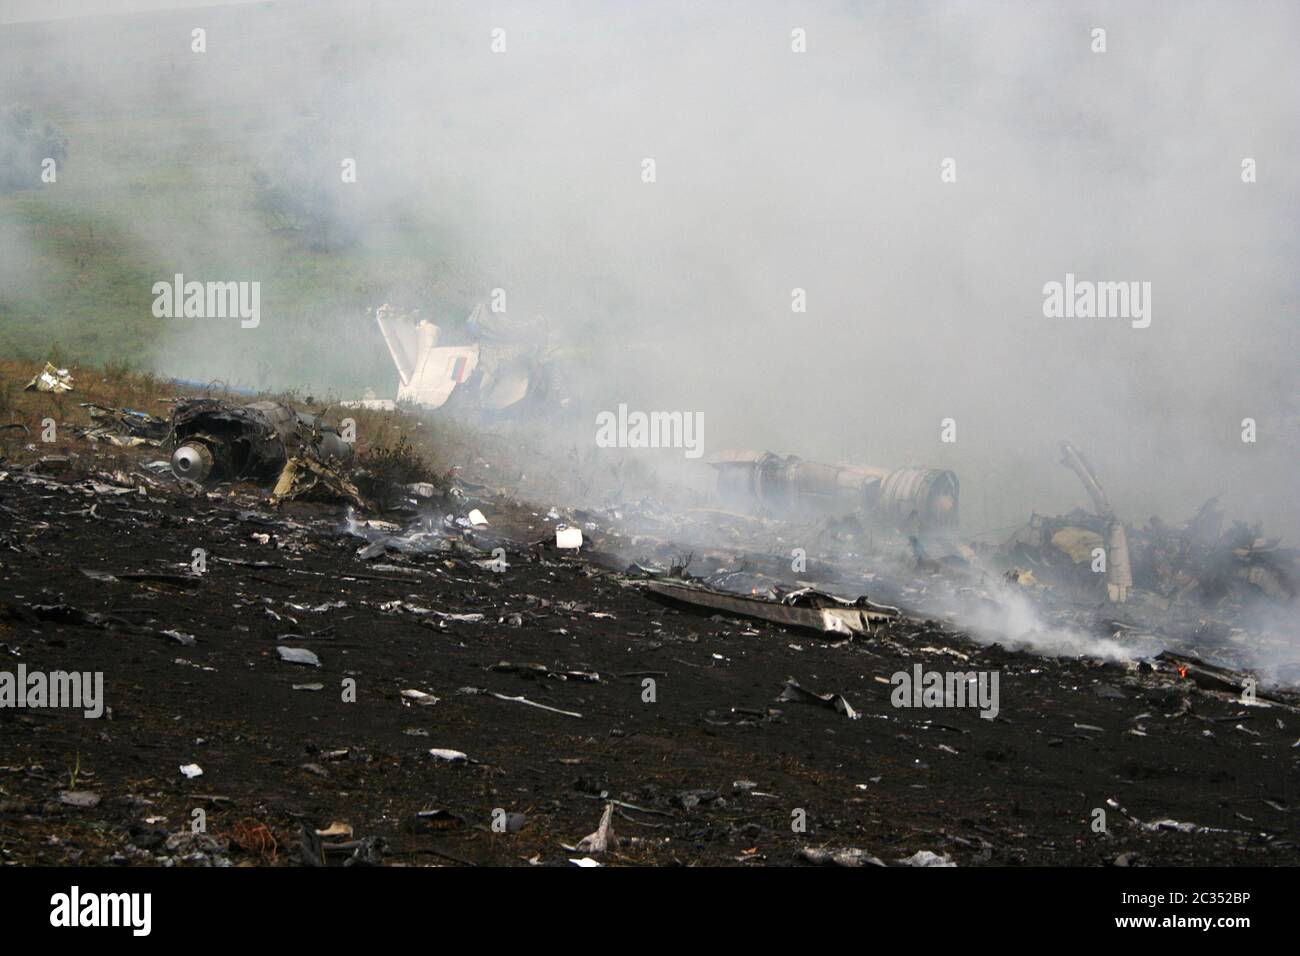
(1196, 564)
(215, 439)
(805, 608)
(1086, 553)
(509, 363)
(912, 499)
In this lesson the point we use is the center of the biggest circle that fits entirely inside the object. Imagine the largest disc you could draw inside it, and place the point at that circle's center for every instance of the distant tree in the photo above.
(301, 189)
(25, 143)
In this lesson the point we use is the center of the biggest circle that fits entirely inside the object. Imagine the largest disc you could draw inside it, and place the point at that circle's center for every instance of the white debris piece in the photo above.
(845, 856)
(51, 379)
(419, 697)
(298, 655)
(926, 858)
(603, 837)
(451, 756)
(566, 537)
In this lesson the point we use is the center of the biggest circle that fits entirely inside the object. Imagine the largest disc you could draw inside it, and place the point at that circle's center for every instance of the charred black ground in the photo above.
(712, 772)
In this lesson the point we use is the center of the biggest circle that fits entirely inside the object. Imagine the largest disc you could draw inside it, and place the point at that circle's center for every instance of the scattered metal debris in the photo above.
(927, 858)
(602, 838)
(123, 427)
(1119, 573)
(309, 478)
(50, 379)
(845, 856)
(806, 608)
(297, 655)
(448, 756)
(835, 702)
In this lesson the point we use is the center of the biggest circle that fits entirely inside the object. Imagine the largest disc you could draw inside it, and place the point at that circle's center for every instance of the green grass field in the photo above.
(156, 184)
(97, 240)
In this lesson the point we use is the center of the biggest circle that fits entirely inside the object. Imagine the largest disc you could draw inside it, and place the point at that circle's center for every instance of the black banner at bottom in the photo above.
(335, 905)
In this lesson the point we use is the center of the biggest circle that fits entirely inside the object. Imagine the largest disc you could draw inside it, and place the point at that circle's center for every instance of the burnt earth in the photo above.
(1020, 789)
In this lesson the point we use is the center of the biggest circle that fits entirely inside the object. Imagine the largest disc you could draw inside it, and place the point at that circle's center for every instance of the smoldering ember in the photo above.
(433, 563)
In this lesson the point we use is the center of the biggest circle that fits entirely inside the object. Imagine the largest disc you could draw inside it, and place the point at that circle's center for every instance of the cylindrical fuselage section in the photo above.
(919, 498)
(906, 498)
